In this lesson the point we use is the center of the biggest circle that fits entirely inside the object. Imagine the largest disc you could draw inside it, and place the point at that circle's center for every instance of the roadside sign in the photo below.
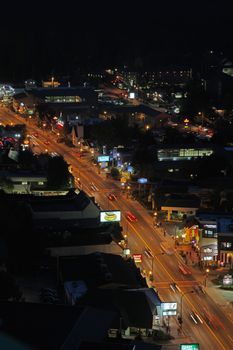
(142, 180)
(169, 309)
(189, 346)
(137, 258)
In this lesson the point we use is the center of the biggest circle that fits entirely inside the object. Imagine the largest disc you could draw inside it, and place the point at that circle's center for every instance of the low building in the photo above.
(225, 248)
(61, 95)
(216, 230)
(183, 152)
(110, 281)
(101, 270)
(46, 326)
(176, 207)
(24, 181)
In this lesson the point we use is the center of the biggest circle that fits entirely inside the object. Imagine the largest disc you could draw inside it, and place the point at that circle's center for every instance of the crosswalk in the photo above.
(181, 284)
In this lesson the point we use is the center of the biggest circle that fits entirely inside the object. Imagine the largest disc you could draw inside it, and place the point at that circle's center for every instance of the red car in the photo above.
(130, 217)
(79, 154)
(46, 142)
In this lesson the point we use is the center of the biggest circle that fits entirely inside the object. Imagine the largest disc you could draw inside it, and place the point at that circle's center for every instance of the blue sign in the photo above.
(130, 169)
(142, 180)
(103, 159)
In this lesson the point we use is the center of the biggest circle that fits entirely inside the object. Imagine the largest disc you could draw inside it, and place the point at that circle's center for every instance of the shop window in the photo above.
(209, 234)
(226, 245)
(207, 250)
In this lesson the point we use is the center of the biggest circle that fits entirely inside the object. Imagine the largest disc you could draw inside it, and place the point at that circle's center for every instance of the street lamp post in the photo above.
(206, 276)
(151, 272)
(128, 191)
(181, 306)
(126, 239)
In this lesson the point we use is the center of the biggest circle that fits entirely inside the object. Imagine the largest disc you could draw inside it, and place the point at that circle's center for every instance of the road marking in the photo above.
(185, 296)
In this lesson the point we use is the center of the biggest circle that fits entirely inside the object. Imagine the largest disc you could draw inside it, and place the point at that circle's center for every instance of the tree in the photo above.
(115, 173)
(27, 160)
(58, 173)
(197, 99)
(144, 158)
(211, 166)
(6, 184)
(224, 132)
(174, 136)
(9, 288)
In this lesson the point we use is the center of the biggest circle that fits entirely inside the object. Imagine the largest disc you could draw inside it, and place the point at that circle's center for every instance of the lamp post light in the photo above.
(206, 276)
(128, 191)
(44, 126)
(151, 272)
(180, 319)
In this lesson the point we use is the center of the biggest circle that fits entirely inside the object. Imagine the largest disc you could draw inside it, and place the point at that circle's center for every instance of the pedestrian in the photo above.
(164, 233)
(178, 330)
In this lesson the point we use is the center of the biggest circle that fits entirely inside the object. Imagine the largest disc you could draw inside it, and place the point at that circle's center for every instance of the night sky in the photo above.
(42, 39)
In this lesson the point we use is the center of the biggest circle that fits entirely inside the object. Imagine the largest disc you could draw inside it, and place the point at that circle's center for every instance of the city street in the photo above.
(216, 330)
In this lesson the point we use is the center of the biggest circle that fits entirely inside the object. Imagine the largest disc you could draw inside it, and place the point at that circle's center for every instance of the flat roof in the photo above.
(62, 91)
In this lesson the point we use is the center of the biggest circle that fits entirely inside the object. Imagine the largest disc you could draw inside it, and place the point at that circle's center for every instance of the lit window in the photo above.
(207, 250)
(226, 245)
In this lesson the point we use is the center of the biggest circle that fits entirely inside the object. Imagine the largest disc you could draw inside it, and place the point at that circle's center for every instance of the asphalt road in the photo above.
(216, 330)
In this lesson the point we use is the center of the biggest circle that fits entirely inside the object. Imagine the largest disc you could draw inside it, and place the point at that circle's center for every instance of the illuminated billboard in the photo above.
(169, 309)
(189, 346)
(110, 216)
(142, 180)
(103, 159)
(137, 258)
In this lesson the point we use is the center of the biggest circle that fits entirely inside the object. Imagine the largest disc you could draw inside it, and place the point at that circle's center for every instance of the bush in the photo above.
(160, 335)
(115, 173)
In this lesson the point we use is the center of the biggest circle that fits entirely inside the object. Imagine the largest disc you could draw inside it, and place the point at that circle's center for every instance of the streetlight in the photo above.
(206, 276)
(151, 272)
(180, 319)
(128, 190)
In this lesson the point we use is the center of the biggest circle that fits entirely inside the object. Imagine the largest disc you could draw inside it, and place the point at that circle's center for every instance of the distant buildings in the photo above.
(183, 152)
(65, 101)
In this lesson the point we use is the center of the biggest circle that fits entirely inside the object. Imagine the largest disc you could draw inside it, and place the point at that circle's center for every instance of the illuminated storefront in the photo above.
(168, 154)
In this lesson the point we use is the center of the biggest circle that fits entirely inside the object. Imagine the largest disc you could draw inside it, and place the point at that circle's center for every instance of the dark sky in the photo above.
(40, 38)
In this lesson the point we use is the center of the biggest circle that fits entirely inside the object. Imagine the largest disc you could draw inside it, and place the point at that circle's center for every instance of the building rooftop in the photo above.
(101, 270)
(181, 201)
(54, 327)
(62, 91)
(135, 306)
(77, 202)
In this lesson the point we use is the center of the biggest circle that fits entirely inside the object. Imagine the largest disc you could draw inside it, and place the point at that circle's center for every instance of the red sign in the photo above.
(137, 258)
